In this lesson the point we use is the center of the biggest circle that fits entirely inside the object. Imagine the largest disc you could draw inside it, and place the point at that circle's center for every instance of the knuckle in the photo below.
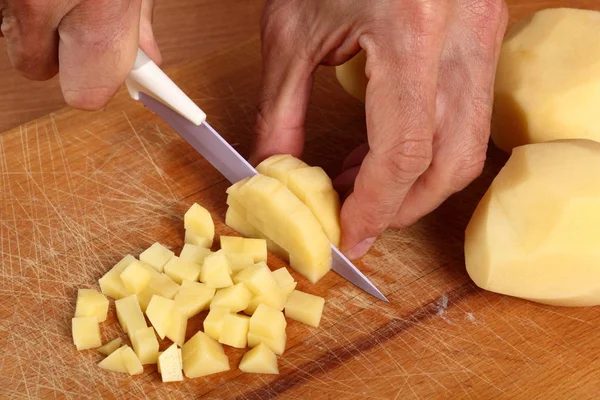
(468, 168)
(486, 17)
(406, 160)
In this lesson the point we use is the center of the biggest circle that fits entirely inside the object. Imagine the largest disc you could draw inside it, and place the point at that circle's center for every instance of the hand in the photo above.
(92, 44)
(431, 67)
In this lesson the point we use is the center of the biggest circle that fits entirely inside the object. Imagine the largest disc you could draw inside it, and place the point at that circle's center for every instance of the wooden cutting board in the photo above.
(78, 191)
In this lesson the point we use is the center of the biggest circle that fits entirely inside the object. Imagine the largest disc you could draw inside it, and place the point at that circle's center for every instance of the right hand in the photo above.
(92, 44)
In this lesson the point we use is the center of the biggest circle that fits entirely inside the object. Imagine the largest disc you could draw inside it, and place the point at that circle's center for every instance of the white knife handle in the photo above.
(148, 78)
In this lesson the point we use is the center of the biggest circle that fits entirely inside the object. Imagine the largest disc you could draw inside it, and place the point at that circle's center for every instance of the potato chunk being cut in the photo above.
(274, 210)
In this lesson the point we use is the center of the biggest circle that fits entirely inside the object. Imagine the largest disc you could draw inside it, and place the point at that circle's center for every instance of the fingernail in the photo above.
(360, 249)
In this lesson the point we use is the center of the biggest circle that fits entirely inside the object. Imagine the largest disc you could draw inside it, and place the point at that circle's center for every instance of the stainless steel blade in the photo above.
(234, 167)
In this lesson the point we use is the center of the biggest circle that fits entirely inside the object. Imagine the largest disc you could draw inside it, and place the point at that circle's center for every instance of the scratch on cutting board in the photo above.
(442, 306)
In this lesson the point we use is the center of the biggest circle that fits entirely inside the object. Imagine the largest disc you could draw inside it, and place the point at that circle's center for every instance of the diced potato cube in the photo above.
(111, 284)
(287, 290)
(130, 315)
(114, 362)
(285, 281)
(267, 321)
(234, 330)
(257, 248)
(238, 261)
(305, 308)
(195, 254)
(277, 344)
(108, 348)
(235, 219)
(202, 355)
(193, 297)
(216, 271)
(160, 313)
(156, 256)
(260, 281)
(170, 365)
(160, 285)
(260, 360)
(145, 345)
(135, 277)
(86, 333)
(213, 323)
(178, 326)
(193, 238)
(91, 303)
(197, 219)
(282, 276)
(235, 297)
(131, 361)
(181, 270)
(180, 360)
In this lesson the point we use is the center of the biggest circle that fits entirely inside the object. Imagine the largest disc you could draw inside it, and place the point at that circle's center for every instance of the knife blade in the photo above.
(190, 123)
(221, 155)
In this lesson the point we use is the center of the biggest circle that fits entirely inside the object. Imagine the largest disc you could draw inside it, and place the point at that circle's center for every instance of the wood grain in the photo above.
(80, 190)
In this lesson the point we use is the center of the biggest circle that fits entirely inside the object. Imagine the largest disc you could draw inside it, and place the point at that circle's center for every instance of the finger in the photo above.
(147, 40)
(98, 45)
(465, 98)
(400, 109)
(31, 37)
(284, 96)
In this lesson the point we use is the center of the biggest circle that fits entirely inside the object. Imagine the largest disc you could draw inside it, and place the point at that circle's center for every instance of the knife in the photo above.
(150, 85)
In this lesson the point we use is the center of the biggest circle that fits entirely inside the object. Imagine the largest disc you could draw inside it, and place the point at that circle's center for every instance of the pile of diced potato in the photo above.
(247, 303)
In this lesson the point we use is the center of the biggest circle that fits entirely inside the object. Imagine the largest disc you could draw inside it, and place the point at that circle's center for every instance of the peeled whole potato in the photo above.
(548, 79)
(536, 232)
(351, 75)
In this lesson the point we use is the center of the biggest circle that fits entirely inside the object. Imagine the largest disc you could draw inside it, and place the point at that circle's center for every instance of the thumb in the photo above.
(284, 96)
(147, 39)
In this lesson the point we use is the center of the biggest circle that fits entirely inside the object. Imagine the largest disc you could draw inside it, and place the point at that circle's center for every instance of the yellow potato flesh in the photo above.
(86, 333)
(259, 360)
(90, 303)
(108, 348)
(305, 308)
(156, 256)
(198, 220)
(234, 331)
(534, 235)
(193, 297)
(130, 314)
(257, 248)
(111, 284)
(548, 79)
(274, 210)
(202, 355)
(351, 75)
(145, 345)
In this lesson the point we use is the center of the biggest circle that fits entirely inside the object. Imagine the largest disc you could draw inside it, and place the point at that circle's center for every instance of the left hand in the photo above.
(431, 67)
